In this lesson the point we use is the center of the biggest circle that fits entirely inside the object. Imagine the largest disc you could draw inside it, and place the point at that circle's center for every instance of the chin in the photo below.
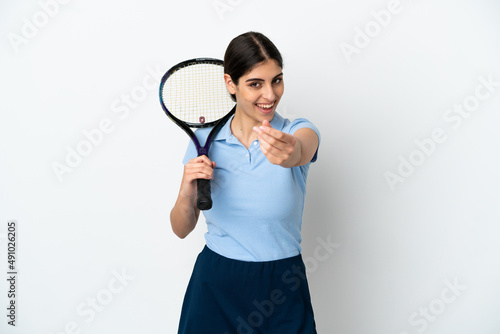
(266, 117)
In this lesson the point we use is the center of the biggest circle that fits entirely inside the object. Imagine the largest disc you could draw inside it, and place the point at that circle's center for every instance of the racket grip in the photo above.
(204, 200)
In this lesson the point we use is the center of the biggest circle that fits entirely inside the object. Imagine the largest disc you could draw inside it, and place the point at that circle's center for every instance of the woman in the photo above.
(250, 277)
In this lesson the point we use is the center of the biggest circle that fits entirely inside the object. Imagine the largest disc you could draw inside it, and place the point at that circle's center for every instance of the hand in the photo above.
(198, 168)
(278, 147)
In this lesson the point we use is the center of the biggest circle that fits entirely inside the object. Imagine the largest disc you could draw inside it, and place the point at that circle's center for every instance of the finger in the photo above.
(286, 145)
(278, 143)
(272, 157)
(266, 123)
(199, 168)
(269, 143)
(198, 172)
(277, 134)
(276, 151)
(263, 132)
(202, 159)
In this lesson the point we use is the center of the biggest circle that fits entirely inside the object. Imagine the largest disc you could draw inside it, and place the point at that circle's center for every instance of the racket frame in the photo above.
(204, 203)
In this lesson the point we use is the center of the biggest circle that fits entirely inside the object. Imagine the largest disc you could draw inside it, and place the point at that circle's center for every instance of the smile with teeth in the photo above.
(265, 106)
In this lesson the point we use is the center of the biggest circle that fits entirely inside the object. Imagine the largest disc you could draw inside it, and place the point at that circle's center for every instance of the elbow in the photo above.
(181, 225)
(180, 233)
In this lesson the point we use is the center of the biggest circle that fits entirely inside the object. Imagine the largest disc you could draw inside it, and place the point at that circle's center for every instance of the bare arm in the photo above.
(184, 214)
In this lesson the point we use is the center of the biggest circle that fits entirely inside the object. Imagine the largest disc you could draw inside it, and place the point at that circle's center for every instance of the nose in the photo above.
(268, 93)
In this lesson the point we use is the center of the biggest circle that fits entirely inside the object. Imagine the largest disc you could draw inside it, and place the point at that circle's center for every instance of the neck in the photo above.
(242, 128)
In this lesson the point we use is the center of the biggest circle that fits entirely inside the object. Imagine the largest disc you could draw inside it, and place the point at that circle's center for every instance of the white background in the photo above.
(397, 248)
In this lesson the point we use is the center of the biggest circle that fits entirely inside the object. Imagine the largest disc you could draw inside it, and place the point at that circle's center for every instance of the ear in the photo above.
(231, 87)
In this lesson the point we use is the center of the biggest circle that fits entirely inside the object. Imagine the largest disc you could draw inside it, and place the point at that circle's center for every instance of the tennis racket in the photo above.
(193, 94)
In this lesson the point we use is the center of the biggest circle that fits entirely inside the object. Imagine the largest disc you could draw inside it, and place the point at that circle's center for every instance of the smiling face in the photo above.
(258, 92)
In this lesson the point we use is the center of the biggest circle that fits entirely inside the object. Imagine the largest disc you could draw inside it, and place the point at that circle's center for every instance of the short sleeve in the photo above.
(300, 123)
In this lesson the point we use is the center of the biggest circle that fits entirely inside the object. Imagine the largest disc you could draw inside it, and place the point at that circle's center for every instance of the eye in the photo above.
(278, 80)
(255, 84)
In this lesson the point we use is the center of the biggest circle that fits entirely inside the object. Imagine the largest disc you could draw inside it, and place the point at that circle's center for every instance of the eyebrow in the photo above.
(258, 79)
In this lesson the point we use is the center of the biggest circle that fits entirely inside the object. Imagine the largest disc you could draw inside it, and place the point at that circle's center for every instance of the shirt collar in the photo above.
(225, 132)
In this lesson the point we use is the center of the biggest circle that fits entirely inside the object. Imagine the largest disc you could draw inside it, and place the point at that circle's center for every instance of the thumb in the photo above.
(266, 123)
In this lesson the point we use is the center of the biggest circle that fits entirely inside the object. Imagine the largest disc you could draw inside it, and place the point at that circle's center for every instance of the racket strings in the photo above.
(197, 93)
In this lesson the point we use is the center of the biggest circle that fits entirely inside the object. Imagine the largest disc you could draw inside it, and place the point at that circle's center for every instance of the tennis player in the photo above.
(250, 277)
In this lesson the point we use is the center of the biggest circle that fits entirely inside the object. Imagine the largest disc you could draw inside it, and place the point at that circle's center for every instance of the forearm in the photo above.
(295, 157)
(304, 148)
(184, 216)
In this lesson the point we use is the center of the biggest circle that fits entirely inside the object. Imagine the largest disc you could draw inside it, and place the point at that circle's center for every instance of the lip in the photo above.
(266, 110)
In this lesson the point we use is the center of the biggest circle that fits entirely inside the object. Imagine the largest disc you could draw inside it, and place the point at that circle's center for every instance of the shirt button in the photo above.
(255, 143)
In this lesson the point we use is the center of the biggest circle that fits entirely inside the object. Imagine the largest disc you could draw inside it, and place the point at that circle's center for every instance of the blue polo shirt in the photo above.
(257, 206)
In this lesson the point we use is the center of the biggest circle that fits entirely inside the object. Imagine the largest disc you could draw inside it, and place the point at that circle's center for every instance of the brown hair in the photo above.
(247, 50)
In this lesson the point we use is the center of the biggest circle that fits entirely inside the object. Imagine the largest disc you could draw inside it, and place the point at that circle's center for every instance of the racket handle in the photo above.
(204, 200)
